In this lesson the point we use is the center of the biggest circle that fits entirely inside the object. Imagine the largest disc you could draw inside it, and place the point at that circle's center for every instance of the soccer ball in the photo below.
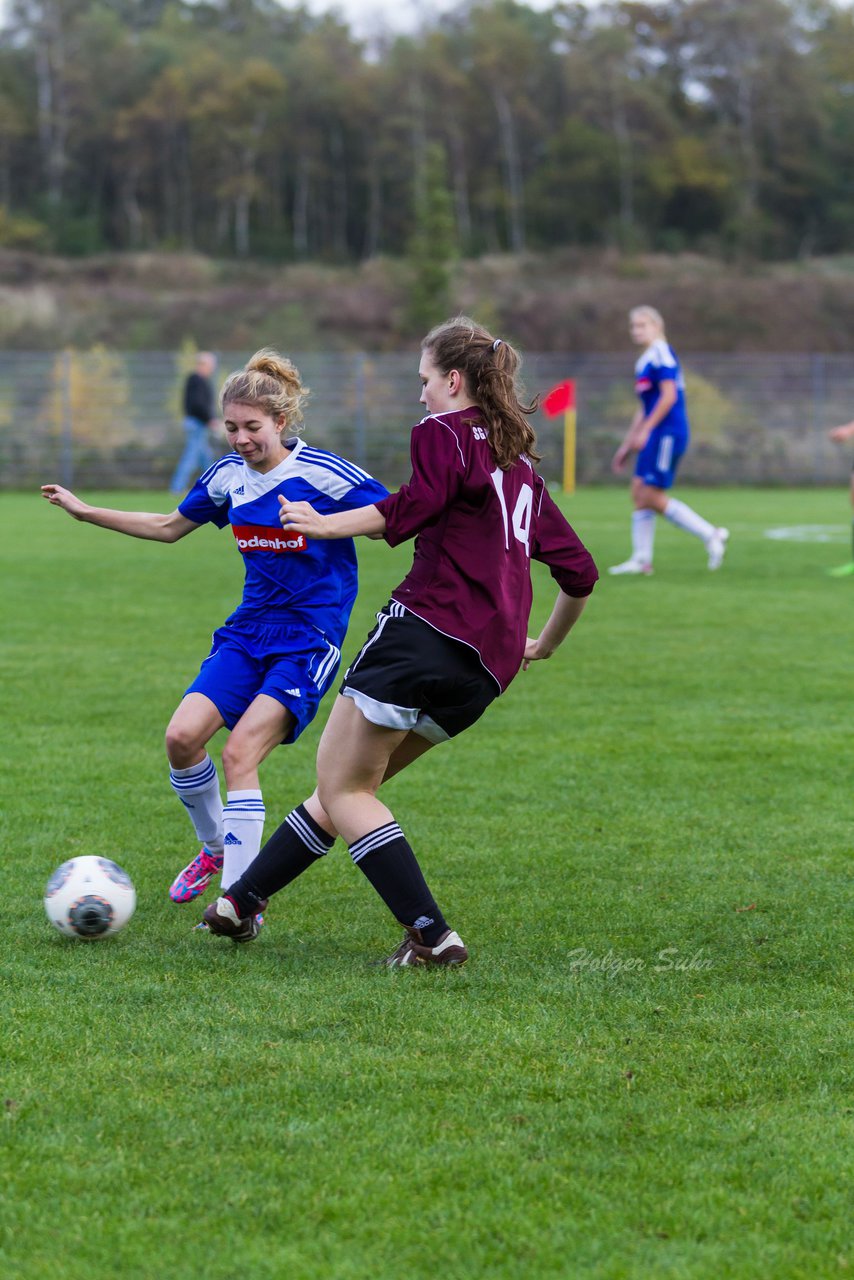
(89, 897)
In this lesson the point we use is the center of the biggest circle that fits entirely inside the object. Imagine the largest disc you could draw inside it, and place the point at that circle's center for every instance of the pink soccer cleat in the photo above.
(196, 876)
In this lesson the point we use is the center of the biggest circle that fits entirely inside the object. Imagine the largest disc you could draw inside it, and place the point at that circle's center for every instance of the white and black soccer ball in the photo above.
(89, 897)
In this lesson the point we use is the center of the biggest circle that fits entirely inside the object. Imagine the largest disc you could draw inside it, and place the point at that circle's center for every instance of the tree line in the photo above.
(241, 127)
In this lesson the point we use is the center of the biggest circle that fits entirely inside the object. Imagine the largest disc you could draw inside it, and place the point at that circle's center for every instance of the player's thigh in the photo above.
(298, 679)
(412, 747)
(193, 724)
(354, 754)
(265, 724)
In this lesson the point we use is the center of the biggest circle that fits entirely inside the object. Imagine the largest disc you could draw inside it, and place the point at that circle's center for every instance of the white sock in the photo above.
(198, 790)
(680, 514)
(243, 823)
(643, 536)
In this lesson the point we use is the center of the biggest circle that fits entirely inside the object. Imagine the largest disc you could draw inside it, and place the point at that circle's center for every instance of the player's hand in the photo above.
(301, 517)
(59, 497)
(841, 434)
(533, 653)
(619, 459)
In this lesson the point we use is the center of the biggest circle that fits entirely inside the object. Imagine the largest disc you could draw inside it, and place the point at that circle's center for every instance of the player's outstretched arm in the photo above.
(301, 517)
(136, 524)
(566, 612)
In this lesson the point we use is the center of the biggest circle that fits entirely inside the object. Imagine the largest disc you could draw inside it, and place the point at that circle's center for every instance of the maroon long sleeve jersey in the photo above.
(477, 529)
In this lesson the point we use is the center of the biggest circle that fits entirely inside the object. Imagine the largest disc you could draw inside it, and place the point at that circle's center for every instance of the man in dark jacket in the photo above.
(199, 415)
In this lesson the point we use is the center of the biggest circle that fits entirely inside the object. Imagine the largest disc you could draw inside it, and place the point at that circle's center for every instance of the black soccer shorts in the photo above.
(410, 676)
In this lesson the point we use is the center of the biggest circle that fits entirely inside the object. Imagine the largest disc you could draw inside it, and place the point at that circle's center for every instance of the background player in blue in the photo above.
(278, 653)
(659, 434)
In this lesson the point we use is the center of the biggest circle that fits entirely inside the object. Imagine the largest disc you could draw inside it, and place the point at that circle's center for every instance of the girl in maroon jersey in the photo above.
(450, 640)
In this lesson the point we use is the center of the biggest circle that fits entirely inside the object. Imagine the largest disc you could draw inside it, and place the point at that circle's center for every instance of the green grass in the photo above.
(571, 1104)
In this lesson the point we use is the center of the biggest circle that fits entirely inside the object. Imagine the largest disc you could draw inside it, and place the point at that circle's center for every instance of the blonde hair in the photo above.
(272, 383)
(651, 314)
(491, 368)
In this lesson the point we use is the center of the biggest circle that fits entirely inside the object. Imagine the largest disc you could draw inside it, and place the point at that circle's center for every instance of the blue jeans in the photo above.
(197, 456)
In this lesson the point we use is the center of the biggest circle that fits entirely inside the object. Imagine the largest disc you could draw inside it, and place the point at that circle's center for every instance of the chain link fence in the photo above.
(109, 419)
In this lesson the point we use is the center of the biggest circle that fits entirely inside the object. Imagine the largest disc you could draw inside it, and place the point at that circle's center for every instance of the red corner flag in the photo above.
(560, 399)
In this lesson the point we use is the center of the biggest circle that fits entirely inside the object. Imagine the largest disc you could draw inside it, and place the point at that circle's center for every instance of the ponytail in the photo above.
(272, 383)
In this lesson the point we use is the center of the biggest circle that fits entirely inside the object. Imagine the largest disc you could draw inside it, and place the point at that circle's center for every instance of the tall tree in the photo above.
(241, 126)
(237, 114)
(745, 59)
(433, 248)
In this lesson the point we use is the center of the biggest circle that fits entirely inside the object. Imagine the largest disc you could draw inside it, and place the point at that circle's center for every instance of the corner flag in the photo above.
(561, 400)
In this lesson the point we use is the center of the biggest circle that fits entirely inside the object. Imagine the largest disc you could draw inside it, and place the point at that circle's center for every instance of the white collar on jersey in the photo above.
(256, 483)
(658, 353)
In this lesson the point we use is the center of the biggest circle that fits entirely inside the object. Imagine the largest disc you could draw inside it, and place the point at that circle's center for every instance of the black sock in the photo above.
(389, 863)
(296, 846)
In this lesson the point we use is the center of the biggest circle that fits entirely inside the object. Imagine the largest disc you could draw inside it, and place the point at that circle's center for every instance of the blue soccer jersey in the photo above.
(659, 364)
(658, 460)
(287, 576)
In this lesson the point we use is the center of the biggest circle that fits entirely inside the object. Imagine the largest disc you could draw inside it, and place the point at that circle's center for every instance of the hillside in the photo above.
(561, 301)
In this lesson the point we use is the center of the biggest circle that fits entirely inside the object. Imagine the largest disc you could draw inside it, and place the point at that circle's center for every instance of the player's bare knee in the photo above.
(315, 810)
(183, 747)
(330, 793)
(647, 497)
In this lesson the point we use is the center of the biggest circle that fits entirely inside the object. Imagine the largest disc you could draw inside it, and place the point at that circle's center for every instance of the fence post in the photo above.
(817, 397)
(361, 423)
(66, 426)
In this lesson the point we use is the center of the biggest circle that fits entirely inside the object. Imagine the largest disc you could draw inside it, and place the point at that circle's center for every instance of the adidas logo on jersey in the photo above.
(231, 838)
(238, 492)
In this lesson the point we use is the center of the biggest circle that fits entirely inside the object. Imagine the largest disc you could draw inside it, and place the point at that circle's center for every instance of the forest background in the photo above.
(544, 168)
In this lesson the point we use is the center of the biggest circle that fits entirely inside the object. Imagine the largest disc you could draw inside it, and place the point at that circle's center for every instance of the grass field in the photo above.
(643, 1071)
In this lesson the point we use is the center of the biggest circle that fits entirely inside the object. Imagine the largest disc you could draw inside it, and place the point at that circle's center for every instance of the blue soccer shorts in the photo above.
(659, 458)
(292, 663)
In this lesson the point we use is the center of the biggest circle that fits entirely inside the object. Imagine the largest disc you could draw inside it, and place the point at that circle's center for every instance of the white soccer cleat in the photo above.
(631, 566)
(449, 950)
(716, 546)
